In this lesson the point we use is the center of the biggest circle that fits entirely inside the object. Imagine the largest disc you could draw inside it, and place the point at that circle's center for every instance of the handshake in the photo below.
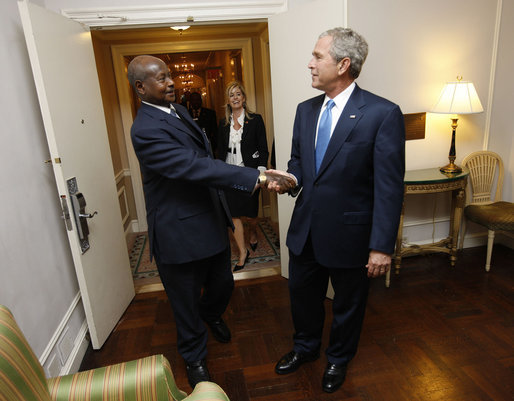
(277, 181)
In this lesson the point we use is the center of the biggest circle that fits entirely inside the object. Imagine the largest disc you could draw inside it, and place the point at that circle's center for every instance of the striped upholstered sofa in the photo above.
(22, 377)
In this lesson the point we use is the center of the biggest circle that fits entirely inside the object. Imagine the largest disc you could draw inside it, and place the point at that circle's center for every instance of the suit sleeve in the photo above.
(389, 170)
(174, 156)
(295, 163)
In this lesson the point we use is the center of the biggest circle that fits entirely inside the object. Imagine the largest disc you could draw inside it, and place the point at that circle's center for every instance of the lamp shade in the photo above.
(459, 97)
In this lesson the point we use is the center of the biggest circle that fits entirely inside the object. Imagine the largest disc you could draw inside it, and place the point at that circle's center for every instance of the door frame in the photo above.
(119, 52)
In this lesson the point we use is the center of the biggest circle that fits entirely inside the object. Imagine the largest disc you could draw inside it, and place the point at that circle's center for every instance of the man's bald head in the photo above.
(140, 67)
(150, 78)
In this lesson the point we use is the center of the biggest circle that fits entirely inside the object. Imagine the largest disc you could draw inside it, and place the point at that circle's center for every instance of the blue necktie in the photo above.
(325, 126)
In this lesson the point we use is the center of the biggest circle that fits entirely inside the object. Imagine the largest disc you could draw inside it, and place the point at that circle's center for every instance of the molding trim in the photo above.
(123, 193)
(176, 13)
(58, 332)
(492, 75)
(121, 174)
(132, 227)
(118, 52)
(77, 353)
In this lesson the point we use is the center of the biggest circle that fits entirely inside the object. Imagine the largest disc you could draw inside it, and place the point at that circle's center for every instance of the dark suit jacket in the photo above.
(208, 121)
(186, 209)
(353, 204)
(254, 147)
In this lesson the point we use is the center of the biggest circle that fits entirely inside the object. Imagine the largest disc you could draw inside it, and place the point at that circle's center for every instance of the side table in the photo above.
(428, 181)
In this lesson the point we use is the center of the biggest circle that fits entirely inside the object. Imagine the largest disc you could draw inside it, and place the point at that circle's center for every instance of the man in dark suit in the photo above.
(348, 160)
(205, 118)
(186, 211)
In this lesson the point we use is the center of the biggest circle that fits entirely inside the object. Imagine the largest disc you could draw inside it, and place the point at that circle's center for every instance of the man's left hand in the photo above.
(379, 263)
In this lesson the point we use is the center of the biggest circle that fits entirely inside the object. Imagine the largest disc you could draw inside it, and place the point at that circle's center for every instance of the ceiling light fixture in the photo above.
(180, 28)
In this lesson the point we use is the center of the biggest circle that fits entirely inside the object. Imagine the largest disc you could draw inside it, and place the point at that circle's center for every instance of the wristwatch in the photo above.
(262, 179)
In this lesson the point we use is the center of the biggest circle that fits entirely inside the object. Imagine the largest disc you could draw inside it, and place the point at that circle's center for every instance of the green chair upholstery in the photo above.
(22, 377)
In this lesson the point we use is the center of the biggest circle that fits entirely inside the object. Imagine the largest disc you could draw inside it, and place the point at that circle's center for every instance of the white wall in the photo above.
(414, 50)
(416, 47)
(38, 281)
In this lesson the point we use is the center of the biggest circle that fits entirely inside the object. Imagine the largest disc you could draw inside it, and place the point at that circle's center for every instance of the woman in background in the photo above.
(242, 142)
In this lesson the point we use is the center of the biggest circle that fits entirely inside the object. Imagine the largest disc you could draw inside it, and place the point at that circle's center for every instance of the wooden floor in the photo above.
(438, 333)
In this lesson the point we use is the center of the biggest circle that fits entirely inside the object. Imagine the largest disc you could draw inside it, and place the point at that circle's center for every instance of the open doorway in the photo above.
(202, 59)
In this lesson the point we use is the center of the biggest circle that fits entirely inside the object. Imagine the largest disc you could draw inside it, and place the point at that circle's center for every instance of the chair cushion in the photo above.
(21, 375)
(497, 216)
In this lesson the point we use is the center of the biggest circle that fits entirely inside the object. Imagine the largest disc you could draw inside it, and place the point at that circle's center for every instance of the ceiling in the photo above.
(200, 60)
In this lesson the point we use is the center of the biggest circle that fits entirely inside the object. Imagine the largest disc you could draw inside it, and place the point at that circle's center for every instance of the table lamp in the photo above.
(458, 97)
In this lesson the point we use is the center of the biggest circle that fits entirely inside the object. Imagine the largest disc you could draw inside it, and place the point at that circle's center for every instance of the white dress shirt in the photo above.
(340, 102)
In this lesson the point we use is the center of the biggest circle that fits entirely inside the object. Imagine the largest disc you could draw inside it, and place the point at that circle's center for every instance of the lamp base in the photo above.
(450, 168)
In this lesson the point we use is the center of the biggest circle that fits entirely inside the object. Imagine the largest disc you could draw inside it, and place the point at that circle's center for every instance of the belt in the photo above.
(231, 150)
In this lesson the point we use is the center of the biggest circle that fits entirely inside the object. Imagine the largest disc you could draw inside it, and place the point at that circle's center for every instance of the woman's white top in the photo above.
(234, 155)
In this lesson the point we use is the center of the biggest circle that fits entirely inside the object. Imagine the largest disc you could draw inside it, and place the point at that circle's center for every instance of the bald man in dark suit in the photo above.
(186, 211)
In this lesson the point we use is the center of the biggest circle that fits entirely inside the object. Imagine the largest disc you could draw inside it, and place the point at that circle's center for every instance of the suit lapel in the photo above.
(193, 129)
(312, 120)
(184, 124)
(349, 117)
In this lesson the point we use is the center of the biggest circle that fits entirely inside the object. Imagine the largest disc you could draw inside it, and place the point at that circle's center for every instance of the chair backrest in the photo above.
(22, 377)
(482, 167)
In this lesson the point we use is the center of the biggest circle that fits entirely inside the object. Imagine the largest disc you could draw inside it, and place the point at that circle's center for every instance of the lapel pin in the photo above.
(352, 115)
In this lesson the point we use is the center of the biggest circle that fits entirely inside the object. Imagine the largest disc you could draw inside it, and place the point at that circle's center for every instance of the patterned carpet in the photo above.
(268, 250)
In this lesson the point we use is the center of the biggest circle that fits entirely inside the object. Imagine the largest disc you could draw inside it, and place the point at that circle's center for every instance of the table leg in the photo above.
(458, 205)
(398, 249)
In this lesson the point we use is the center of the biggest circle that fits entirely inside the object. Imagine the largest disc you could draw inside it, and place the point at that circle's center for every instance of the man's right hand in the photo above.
(279, 181)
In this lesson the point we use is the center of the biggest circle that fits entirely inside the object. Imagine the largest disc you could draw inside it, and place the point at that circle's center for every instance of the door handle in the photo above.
(88, 215)
(80, 215)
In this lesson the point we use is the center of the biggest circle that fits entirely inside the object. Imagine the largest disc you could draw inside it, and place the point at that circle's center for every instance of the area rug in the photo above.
(268, 250)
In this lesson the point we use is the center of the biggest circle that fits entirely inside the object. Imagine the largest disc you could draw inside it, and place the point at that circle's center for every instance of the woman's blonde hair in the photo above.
(228, 110)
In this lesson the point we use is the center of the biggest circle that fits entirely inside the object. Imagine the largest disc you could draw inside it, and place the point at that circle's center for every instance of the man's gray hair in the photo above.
(348, 43)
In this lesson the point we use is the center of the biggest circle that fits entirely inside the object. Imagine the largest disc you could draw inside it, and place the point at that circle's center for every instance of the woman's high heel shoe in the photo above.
(241, 267)
(253, 245)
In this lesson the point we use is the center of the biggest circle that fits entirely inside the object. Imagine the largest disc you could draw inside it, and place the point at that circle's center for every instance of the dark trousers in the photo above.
(308, 284)
(191, 306)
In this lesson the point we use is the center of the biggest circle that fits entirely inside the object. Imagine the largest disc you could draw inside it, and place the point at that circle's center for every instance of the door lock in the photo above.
(78, 203)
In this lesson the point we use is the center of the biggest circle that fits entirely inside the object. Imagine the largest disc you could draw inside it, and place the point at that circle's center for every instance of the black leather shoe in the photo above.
(333, 377)
(292, 361)
(253, 245)
(241, 267)
(197, 372)
(220, 331)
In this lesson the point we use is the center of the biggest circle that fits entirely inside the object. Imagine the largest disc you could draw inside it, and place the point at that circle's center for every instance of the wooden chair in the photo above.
(22, 377)
(483, 209)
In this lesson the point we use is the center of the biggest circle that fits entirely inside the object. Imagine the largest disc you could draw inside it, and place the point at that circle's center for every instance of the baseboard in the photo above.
(77, 354)
(60, 330)
(132, 227)
(475, 239)
(135, 226)
(66, 348)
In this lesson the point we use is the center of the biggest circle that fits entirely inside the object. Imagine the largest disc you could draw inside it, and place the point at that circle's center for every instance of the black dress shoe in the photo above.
(253, 245)
(333, 377)
(219, 330)
(241, 267)
(292, 361)
(197, 372)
